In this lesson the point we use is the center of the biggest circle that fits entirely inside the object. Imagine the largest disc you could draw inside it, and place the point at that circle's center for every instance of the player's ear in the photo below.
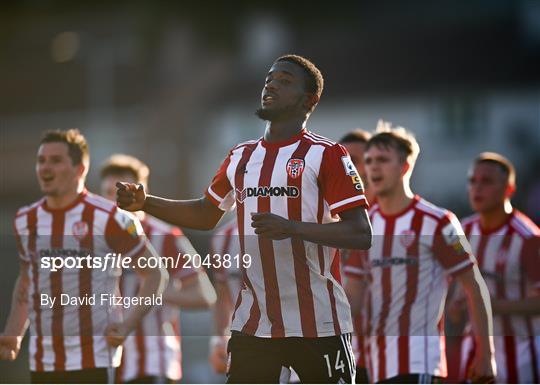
(510, 190)
(406, 167)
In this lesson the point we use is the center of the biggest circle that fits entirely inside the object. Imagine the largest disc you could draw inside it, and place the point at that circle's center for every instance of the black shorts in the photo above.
(151, 380)
(315, 360)
(84, 376)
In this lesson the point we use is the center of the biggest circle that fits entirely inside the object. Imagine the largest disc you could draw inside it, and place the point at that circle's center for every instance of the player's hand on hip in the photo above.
(130, 196)
(116, 334)
(272, 226)
(9, 347)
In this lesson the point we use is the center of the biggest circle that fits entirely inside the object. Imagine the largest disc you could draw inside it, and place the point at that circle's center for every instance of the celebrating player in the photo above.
(68, 343)
(506, 244)
(291, 187)
(152, 353)
(415, 244)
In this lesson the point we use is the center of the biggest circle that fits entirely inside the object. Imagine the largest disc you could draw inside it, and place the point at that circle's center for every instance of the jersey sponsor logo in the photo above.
(348, 165)
(295, 168)
(266, 191)
(407, 237)
(394, 261)
(80, 230)
(453, 239)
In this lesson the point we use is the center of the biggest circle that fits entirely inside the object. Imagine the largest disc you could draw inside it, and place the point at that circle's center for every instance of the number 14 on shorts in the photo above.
(338, 366)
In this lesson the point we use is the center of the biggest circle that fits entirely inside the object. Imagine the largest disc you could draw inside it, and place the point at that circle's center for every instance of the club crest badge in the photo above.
(80, 230)
(407, 238)
(295, 168)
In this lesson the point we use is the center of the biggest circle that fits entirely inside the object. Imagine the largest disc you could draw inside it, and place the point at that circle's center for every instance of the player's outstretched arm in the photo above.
(352, 232)
(482, 322)
(17, 323)
(199, 214)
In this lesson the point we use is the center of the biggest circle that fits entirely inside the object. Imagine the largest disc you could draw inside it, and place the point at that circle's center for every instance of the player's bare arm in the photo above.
(17, 323)
(199, 214)
(352, 232)
(482, 322)
(194, 292)
(356, 290)
(153, 281)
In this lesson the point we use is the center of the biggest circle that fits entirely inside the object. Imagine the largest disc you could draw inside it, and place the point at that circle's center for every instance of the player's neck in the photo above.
(278, 131)
(60, 202)
(395, 201)
(493, 219)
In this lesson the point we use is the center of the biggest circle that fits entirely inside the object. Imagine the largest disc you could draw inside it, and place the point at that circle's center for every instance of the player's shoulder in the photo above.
(469, 220)
(436, 212)
(373, 209)
(100, 203)
(316, 139)
(248, 143)
(523, 225)
(26, 209)
(159, 227)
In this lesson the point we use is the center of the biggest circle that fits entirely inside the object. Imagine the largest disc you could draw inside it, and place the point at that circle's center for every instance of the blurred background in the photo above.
(177, 83)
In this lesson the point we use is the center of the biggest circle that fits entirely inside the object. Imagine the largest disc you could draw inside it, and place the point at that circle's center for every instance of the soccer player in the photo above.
(355, 142)
(152, 353)
(73, 343)
(506, 244)
(415, 245)
(291, 188)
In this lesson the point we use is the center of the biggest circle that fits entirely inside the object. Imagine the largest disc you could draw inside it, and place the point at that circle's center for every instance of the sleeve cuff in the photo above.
(351, 271)
(345, 204)
(460, 268)
(213, 197)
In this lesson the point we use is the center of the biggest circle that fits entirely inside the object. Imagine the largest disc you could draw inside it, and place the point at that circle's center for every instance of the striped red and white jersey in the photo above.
(153, 349)
(509, 259)
(289, 290)
(70, 336)
(412, 253)
(226, 242)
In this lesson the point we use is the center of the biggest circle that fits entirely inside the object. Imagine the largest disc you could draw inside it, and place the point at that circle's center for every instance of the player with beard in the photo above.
(297, 196)
(416, 246)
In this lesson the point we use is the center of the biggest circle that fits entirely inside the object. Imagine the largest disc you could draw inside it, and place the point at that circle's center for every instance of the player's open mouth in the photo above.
(47, 178)
(268, 98)
(376, 179)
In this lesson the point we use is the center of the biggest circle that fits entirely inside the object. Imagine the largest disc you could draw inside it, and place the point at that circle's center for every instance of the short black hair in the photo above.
(314, 78)
(356, 136)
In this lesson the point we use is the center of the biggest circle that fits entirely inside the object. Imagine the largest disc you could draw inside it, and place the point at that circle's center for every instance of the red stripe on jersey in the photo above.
(139, 342)
(85, 288)
(271, 288)
(160, 340)
(329, 283)
(301, 269)
(57, 240)
(254, 313)
(32, 235)
(509, 340)
(530, 331)
(410, 295)
(387, 294)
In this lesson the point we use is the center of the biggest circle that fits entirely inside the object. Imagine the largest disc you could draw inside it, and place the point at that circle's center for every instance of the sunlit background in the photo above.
(177, 83)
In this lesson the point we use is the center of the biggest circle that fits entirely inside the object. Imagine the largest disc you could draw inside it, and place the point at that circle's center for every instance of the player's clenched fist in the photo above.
(9, 347)
(130, 196)
(116, 334)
